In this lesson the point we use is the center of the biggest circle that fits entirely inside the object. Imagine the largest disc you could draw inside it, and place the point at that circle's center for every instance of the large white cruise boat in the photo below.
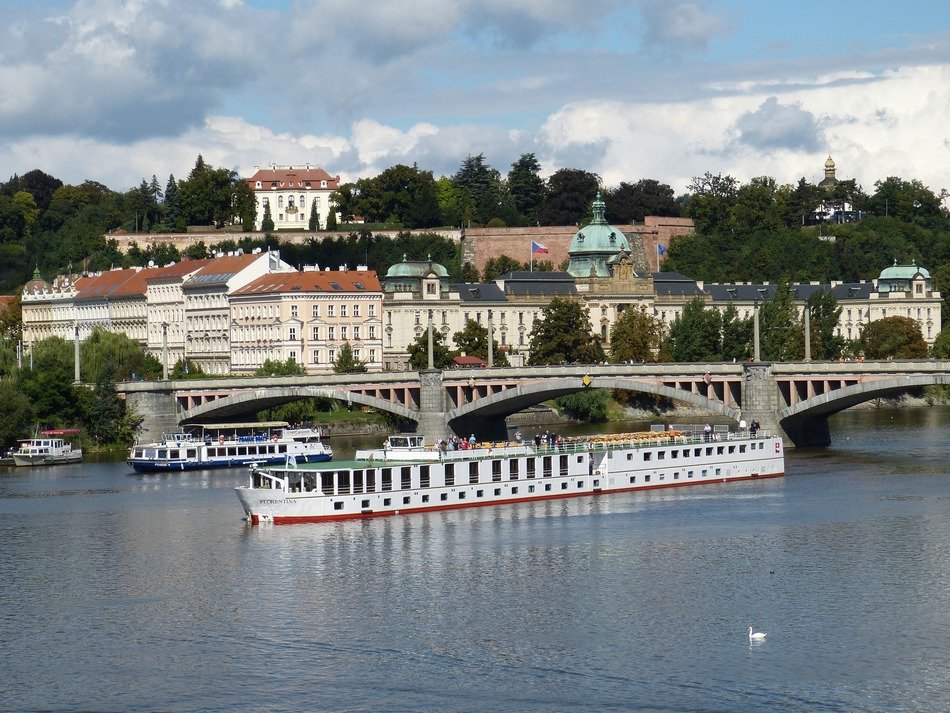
(406, 476)
(230, 445)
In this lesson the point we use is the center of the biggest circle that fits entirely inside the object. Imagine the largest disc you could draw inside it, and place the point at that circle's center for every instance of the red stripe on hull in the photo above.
(288, 520)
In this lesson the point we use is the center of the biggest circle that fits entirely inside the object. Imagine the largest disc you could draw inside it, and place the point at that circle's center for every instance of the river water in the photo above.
(123, 592)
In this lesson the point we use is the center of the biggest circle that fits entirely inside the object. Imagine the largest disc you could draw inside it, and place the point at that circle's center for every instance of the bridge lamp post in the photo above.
(807, 316)
(76, 352)
(491, 345)
(756, 351)
(164, 351)
(431, 344)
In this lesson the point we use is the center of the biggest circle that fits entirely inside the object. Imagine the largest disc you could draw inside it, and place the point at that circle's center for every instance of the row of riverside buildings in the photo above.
(232, 312)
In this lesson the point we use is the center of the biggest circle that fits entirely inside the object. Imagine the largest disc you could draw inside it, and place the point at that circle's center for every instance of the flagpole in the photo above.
(657, 256)
(531, 259)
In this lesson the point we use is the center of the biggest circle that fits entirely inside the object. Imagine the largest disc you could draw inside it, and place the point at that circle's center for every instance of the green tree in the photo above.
(331, 218)
(893, 338)
(313, 224)
(569, 196)
(418, 350)
(711, 199)
(17, 413)
(496, 267)
(186, 369)
(589, 405)
(103, 412)
(112, 355)
(480, 190)
(825, 312)
(941, 347)
(346, 363)
(636, 336)
(941, 283)
(907, 201)
(696, 333)
(526, 188)
(272, 367)
(781, 329)
(631, 202)
(562, 335)
(737, 335)
(48, 384)
(244, 204)
(267, 221)
(473, 341)
(173, 216)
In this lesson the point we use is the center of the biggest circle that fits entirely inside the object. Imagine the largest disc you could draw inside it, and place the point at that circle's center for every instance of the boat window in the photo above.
(676, 475)
(326, 483)
(242, 450)
(364, 504)
(648, 456)
(720, 450)
(514, 490)
(282, 448)
(425, 498)
(530, 488)
(338, 505)
(496, 470)
(191, 453)
(371, 480)
(742, 448)
(563, 486)
(633, 479)
(424, 476)
(357, 481)
(660, 455)
(546, 466)
(163, 455)
(406, 478)
(444, 496)
(564, 465)
(480, 493)
(272, 449)
(580, 459)
(405, 500)
(513, 467)
(387, 478)
(343, 481)
(689, 474)
(547, 487)
(462, 495)
(732, 449)
(529, 467)
(675, 454)
(473, 472)
(646, 478)
(387, 502)
(450, 474)
(708, 451)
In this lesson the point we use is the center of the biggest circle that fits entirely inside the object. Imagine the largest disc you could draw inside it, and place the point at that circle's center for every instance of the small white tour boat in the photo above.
(408, 476)
(230, 445)
(49, 448)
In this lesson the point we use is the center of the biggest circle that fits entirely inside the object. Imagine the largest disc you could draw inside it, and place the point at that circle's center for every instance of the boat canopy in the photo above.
(237, 426)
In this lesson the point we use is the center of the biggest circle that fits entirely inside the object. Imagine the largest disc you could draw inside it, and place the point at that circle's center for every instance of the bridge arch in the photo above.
(245, 402)
(504, 403)
(806, 423)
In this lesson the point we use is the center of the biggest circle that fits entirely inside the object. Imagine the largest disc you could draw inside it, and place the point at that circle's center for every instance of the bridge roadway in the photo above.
(794, 397)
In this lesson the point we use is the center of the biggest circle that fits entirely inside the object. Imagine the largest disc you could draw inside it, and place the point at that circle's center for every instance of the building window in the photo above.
(315, 311)
(331, 355)
(293, 310)
(292, 333)
(356, 331)
(372, 310)
(280, 201)
(293, 355)
(372, 355)
(331, 333)
(330, 310)
(316, 334)
(315, 356)
(418, 318)
(356, 354)
(342, 310)
(343, 332)
(356, 310)
(372, 332)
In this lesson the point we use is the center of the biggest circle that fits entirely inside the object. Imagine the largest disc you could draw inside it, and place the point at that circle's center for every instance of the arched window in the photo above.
(280, 201)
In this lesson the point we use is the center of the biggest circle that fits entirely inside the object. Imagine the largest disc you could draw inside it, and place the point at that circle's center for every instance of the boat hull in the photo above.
(46, 459)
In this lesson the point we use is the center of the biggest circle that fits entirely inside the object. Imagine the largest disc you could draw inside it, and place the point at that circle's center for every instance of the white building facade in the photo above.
(291, 192)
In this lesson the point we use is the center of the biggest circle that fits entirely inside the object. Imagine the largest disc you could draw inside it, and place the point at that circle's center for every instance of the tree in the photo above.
(346, 363)
(781, 330)
(267, 222)
(244, 204)
(711, 199)
(589, 405)
(173, 214)
(941, 347)
(526, 188)
(631, 202)
(941, 282)
(418, 350)
(331, 218)
(186, 369)
(696, 333)
(480, 190)
(49, 383)
(636, 336)
(272, 367)
(569, 196)
(496, 267)
(112, 355)
(907, 201)
(313, 224)
(17, 413)
(104, 412)
(893, 338)
(473, 341)
(562, 335)
(825, 312)
(737, 335)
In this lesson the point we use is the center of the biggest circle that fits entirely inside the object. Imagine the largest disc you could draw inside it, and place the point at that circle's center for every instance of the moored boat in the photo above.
(230, 445)
(50, 447)
(408, 476)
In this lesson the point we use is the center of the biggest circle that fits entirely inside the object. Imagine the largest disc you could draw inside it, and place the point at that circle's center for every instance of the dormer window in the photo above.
(257, 185)
(323, 184)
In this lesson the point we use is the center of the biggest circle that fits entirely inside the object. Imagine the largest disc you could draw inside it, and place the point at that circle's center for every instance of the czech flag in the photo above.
(538, 249)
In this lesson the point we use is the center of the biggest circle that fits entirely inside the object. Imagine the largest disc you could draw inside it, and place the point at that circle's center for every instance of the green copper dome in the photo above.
(904, 272)
(416, 268)
(593, 246)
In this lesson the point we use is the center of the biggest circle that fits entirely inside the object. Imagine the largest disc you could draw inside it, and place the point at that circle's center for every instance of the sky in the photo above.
(118, 90)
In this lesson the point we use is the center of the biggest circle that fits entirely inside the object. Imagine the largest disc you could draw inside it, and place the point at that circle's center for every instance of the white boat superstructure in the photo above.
(418, 478)
(230, 445)
(46, 451)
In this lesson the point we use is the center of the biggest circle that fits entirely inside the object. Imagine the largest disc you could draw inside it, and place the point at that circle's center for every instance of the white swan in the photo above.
(756, 636)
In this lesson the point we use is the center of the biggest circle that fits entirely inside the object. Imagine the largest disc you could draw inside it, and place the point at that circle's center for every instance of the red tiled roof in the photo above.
(138, 283)
(313, 281)
(5, 301)
(293, 178)
(104, 285)
(463, 360)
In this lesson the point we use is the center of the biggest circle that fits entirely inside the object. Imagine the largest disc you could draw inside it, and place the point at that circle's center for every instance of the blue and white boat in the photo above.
(231, 445)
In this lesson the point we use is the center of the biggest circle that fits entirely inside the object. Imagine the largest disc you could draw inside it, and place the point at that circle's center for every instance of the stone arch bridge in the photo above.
(794, 397)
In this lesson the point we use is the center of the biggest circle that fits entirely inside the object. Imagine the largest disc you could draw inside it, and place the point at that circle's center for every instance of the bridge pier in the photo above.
(761, 399)
(808, 433)
(432, 421)
(158, 412)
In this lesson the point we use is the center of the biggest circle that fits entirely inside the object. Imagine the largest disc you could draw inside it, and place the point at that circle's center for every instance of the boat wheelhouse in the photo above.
(231, 445)
(413, 477)
(50, 448)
